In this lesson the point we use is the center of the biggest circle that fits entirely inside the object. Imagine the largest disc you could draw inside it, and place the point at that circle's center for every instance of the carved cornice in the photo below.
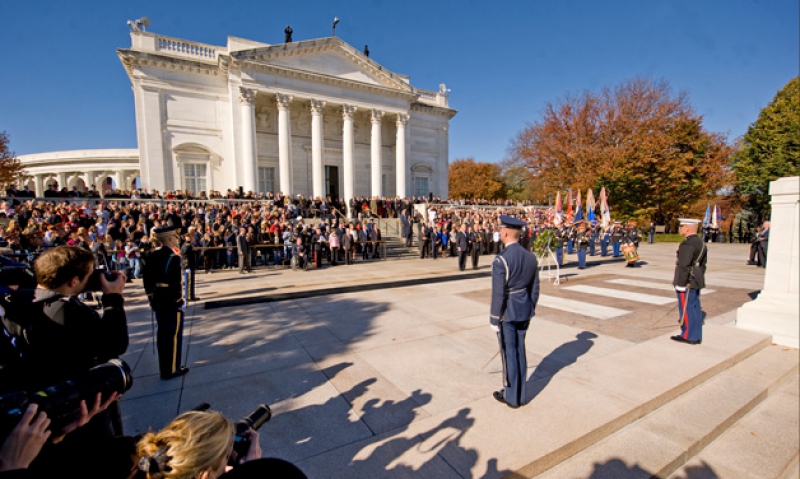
(376, 116)
(131, 59)
(402, 119)
(434, 110)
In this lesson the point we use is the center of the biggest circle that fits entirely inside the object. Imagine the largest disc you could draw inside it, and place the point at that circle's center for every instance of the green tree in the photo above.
(10, 167)
(769, 150)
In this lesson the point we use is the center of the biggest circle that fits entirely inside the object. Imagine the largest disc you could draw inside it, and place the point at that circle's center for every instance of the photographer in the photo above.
(199, 445)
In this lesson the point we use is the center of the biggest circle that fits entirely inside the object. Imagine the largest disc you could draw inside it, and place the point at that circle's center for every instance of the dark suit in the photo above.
(476, 239)
(462, 244)
(189, 262)
(763, 245)
(244, 253)
(405, 228)
(515, 292)
(690, 270)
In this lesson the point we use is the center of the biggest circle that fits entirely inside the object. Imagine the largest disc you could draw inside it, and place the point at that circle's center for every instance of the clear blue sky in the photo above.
(62, 86)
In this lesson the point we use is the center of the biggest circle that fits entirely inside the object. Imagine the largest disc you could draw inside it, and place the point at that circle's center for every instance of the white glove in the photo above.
(495, 328)
(680, 288)
(187, 271)
(183, 306)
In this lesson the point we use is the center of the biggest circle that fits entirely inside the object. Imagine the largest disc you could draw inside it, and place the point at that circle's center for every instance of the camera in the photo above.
(61, 401)
(254, 421)
(94, 283)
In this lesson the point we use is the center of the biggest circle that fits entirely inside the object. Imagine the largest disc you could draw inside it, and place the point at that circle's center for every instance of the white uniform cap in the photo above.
(688, 221)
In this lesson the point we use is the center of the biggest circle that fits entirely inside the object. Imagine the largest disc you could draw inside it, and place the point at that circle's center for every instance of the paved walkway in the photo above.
(390, 381)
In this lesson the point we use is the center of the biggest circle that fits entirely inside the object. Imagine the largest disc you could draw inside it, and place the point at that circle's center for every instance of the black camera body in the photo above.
(94, 283)
(61, 401)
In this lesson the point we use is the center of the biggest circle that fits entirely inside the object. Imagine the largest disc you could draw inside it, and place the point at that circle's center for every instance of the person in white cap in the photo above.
(690, 270)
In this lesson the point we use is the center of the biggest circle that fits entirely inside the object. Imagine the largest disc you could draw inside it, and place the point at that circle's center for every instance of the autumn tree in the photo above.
(10, 167)
(645, 144)
(471, 179)
(770, 149)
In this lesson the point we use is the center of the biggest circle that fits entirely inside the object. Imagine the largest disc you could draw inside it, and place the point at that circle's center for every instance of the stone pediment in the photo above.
(328, 57)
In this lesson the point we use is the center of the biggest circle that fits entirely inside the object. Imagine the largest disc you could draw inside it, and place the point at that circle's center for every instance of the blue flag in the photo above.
(707, 219)
(578, 214)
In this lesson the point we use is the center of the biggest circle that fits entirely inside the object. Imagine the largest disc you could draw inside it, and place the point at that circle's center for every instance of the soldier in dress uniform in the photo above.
(605, 238)
(690, 270)
(581, 243)
(592, 230)
(162, 283)
(515, 291)
(570, 238)
(616, 238)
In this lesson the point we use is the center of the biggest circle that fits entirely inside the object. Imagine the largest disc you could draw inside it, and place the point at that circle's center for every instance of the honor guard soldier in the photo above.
(162, 283)
(592, 232)
(581, 243)
(690, 270)
(560, 240)
(617, 234)
(515, 291)
(570, 238)
(605, 238)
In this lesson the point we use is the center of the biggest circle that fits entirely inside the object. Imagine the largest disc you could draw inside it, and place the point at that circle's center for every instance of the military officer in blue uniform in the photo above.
(162, 283)
(690, 270)
(515, 291)
(581, 243)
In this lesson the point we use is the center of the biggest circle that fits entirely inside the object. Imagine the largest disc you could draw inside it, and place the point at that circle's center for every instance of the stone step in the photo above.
(663, 441)
(763, 444)
(568, 412)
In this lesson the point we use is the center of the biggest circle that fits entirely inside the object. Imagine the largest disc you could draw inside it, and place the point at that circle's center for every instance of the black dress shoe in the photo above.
(178, 373)
(681, 340)
(498, 395)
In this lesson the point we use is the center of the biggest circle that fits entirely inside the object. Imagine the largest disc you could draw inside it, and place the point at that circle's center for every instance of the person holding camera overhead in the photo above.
(162, 283)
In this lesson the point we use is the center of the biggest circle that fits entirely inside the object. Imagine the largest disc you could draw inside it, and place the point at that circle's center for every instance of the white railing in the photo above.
(186, 49)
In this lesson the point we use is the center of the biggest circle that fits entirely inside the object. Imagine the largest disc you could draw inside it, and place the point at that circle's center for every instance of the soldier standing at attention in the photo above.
(162, 283)
(690, 270)
(581, 243)
(515, 291)
(616, 239)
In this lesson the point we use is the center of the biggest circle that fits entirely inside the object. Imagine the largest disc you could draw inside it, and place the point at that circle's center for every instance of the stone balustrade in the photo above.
(186, 49)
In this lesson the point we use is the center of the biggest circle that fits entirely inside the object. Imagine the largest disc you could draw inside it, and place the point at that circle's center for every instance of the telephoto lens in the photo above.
(61, 402)
(254, 421)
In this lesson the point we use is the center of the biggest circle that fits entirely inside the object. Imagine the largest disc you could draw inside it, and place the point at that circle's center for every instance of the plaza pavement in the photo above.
(397, 381)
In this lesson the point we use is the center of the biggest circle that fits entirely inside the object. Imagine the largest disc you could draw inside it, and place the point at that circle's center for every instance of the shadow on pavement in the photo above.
(617, 469)
(559, 358)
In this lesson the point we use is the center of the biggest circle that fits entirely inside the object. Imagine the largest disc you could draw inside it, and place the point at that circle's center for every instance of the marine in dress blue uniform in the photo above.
(690, 270)
(515, 291)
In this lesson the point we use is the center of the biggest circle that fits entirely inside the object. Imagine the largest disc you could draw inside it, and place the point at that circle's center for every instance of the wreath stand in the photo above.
(548, 260)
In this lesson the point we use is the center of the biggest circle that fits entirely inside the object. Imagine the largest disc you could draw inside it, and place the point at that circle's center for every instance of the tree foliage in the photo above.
(645, 144)
(10, 167)
(471, 179)
(770, 149)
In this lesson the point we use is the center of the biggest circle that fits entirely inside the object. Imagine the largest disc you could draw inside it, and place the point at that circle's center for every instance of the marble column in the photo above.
(400, 155)
(39, 185)
(247, 98)
(284, 103)
(776, 310)
(375, 155)
(347, 155)
(317, 148)
(117, 180)
(62, 181)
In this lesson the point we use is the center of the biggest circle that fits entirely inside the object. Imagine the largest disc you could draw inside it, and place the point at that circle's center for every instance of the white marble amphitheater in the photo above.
(315, 117)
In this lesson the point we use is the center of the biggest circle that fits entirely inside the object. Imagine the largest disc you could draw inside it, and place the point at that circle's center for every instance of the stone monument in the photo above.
(776, 311)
